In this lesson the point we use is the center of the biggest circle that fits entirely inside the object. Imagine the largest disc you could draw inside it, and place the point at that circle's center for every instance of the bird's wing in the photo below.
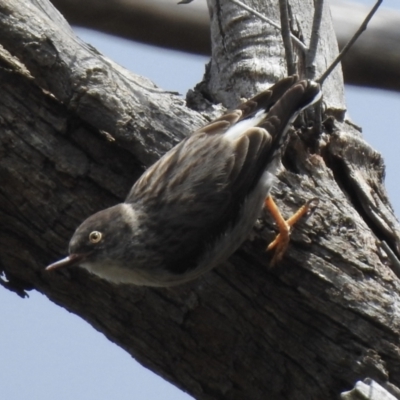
(204, 142)
(196, 190)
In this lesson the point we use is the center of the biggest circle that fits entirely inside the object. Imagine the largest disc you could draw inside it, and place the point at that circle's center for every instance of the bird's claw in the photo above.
(281, 241)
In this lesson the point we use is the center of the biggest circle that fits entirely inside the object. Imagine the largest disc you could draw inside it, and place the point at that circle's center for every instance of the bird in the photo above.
(198, 203)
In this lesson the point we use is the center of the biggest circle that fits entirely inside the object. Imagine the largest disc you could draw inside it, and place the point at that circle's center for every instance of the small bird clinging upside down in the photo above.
(196, 205)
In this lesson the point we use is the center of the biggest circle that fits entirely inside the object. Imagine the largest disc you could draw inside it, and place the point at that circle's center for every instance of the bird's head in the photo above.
(101, 237)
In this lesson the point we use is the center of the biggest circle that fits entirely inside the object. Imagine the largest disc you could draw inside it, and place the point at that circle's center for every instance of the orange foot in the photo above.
(281, 241)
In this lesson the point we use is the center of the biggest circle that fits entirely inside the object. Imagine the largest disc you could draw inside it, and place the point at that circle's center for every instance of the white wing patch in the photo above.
(238, 129)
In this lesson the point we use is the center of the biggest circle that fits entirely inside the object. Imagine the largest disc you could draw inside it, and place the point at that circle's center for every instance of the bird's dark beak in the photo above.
(72, 259)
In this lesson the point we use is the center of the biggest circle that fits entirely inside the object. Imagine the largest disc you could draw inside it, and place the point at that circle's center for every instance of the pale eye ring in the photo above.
(95, 236)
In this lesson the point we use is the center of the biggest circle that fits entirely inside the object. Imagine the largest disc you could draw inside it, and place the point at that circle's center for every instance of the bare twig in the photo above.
(270, 22)
(287, 42)
(312, 48)
(346, 48)
(392, 257)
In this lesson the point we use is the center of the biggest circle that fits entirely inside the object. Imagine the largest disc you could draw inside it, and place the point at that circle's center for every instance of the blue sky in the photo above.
(48, 353)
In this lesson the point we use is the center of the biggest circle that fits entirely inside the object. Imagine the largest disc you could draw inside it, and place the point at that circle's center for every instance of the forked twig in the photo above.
(340, 56)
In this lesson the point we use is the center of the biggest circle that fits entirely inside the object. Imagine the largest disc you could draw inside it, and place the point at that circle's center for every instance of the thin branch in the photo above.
(346, 48)
(392, 257)
(270, 22)
(287, 42)
(312, 49)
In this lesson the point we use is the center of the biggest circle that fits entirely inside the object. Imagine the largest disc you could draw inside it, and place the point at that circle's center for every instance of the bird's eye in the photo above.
(95, 236)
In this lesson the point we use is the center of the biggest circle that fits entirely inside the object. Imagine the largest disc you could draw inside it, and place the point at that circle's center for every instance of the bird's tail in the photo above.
(288, 105)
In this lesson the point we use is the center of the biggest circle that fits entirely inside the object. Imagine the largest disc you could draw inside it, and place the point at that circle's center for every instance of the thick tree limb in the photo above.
(307, 329)
(372, 62)
(162, 23)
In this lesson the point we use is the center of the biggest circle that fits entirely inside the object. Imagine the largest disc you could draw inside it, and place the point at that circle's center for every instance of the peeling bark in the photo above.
(76, 130)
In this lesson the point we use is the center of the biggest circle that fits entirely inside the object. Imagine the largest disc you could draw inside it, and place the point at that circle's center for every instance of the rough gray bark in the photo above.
(372, 62)
(247, 53)
(76, 130)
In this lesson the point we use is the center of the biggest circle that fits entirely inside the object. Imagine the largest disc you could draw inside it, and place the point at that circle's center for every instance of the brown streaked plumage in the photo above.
(196, 205)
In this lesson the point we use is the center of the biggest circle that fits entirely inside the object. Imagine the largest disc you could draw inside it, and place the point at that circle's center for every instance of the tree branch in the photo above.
(185, 27)
(311, 327)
